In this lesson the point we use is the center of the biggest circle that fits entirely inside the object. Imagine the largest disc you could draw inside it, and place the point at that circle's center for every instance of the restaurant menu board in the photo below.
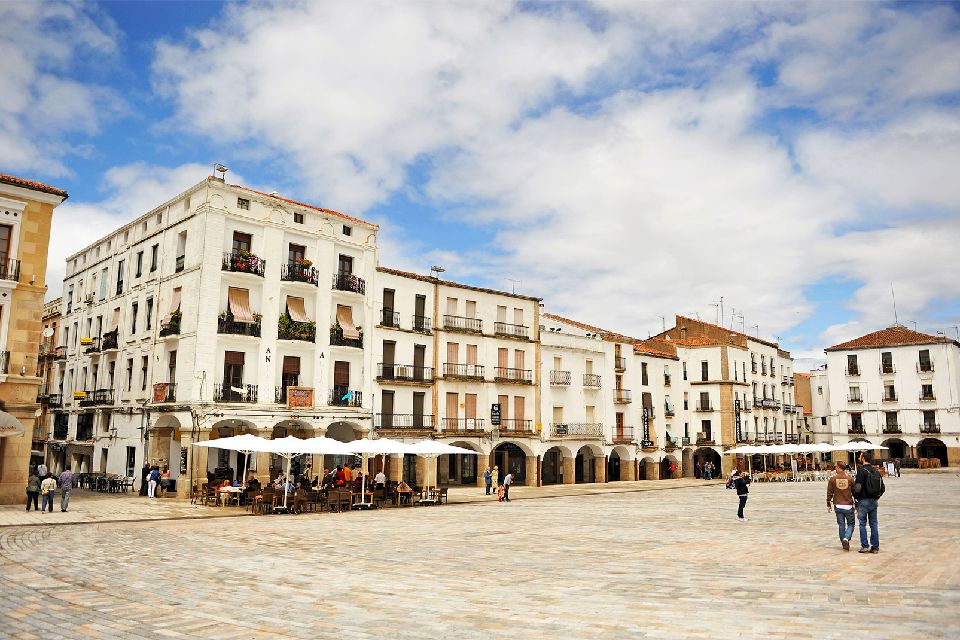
(299, 397)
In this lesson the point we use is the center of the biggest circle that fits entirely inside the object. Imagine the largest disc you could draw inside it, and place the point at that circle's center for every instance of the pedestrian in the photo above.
(152, 481)
(488, 480)
(48, 488)
(867, 491)
(144, 478)
(66, 484)
(496, 478)
(507, 481)
(708, 469)
(698, 470)
(840, 497)
(740, 481)
(33, 490)
(793, 468)
(164, 481)
(896, 466)
(41, 471)
(673, 469)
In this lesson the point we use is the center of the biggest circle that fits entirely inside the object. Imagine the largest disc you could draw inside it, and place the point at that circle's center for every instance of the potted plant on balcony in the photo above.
(243, 260)
(303, 263)
(288, 329)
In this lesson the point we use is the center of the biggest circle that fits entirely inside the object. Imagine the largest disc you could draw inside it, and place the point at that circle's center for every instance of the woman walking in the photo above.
(33, 490)
(495, 477)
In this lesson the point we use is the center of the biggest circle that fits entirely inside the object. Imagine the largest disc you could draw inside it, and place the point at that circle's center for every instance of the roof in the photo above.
(32, 184)
(894, 336)
(450, 283)
(611, 336)
(656, 348)
(731, 331)
(305, 205)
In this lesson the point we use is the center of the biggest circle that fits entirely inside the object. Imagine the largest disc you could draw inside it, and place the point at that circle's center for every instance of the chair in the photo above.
(209, 495)
(345, 500)
(333, 501)
(442, 497)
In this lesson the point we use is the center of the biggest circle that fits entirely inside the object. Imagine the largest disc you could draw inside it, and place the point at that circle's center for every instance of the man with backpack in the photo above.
(740, 481)
(867, 489)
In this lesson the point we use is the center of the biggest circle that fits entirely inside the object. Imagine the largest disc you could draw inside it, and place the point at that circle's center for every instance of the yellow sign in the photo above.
(86, 342)
(79, 395)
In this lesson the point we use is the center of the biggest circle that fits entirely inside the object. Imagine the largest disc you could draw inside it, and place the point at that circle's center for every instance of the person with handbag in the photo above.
(48, 488)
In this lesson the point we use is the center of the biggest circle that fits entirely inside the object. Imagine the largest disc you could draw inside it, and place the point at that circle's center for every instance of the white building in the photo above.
(899, 388)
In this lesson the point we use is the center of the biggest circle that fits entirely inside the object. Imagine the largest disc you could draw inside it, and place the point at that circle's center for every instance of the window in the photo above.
(852, 368)
(854, 393)
(149, 313)
(241, 241)
(144, 365)
(129, 373)
(120, 266)
(704, 371)
(139, 263)
(684, 370)
(133, 318)
(704, 401)
(111, 371)
(823, 421)
(296, 252)
(181, 251)
(154, 255)
(819, 391)
(243, 203)
(347, 230)
(159, 219)
(891, 420)
(104, 275)
(889, 392)
(686, 401)
(643, 374)
(345, 265)
(706, 429)
(926, 392)
(172, 367)
(298, 218)
(929, 419)
(925, 363)
(886, 362)
(856, 421)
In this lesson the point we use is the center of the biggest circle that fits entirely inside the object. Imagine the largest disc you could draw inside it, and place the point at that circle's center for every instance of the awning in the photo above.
(345, 319)
(296, 309)
(239, 303)
(174, 307)
(116, 319)
(10, 426)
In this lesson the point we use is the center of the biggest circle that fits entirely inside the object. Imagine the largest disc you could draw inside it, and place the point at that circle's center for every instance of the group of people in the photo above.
(491, 480)
(153, 477)
(40, 482)
(703, 470)
(849, 498)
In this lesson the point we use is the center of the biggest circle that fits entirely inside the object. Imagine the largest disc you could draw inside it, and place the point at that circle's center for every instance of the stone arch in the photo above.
(461, 469)
(344, 432)
(701, 456)
(933, 448)
(551, 464)
(620, 464)
(163, 444)
(897, 448)
(222, 464)
(665, 473)
(686, 462)
(648, 469)
(513, 456)
(588, 458)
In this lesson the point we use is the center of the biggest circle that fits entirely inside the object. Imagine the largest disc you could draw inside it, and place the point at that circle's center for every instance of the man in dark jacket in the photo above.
(740, 481)
(867, 489)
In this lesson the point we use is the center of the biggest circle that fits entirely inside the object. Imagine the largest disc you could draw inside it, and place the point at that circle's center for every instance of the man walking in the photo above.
(740, 481)
(867, 491)
(66, 484)
(488, 480)
(507, 481)
(840, 498)
(47, 488)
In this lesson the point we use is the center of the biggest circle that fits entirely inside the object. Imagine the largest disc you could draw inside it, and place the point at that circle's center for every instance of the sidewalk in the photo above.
(92, 507)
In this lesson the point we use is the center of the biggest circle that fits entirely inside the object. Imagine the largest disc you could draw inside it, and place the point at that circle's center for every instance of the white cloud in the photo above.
(41, 44)
(129, 191)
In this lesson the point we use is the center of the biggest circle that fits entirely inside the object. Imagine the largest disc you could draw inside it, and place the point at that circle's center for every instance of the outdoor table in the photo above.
(225, 493)
(356, 497)
(404, 496)
(429, 496)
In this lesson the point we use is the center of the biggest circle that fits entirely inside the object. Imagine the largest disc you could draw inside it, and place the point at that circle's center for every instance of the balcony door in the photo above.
(290, 374)
(6, 234)
(345, 265)
(470, 411)
(241, 241)
(296, 252)
(389, 358)
(419, 356)
(419, 398)
(341, 378)
(233, 362)
(453, 410)
(388, 302)
(386, 409)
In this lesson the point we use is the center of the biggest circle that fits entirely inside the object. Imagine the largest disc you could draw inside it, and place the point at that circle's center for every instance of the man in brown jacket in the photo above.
(840, 499)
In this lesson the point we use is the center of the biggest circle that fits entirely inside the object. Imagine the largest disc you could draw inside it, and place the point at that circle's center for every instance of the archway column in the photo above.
(532, 468)
(653, 470)
(569, 470)
(600, 469)
(395, 468)
(627, 469)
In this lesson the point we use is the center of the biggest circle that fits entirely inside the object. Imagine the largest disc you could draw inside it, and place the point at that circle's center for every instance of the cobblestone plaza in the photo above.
(662, 564)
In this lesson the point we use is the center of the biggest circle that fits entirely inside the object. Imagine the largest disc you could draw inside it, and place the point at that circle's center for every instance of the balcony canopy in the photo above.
(239, 304)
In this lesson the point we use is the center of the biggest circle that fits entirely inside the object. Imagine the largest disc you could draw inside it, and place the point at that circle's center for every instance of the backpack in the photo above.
(872, 483)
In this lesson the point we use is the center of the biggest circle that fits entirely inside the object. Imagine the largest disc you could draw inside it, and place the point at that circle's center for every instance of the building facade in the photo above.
(895, 387)
(26, 213)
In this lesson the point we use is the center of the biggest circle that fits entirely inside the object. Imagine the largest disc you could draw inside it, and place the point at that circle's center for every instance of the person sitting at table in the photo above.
(326, 481)
(405, 492)
(341, 476)
(347, 474)
(357, 481)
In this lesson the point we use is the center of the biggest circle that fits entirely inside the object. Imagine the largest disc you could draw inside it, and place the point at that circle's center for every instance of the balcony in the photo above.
(705, 407)
(4, 362)
(790, 408)
(927, 397)
(389, 318)
(855, 399)
(110, 341)
(591, 380)
(349, 282)
(341, 396)
(619, 363)
(60, 353)
(60, 431)
(55, 400)
(460, 323)
(85, 432)
(770, 403)
(511, 330)
(891, 428)
(462, 425)
(10, 269)
(287, 329)
(666, 379)
(97, 397)
(930, 428)
(227, 325)
(925, 367)
(889, 397)
(856, 430)
(243, 262)
(577, 430)
(337, 339)
(853, 371)
(164, 392)
(294, 272)
(42, 394)
(172, 328)
(668, 410)
(226, 392)
(403, 422)
(793, 438)
(519, 376)
(705, 439)
(622, 435)
(886, 369)
(516, 425)
(670, 444)
(560, 378)
(179, 264)
(387, 372)
(622, 396)
(94, 346)
(422, 324)
(463, 371)
(787, 381)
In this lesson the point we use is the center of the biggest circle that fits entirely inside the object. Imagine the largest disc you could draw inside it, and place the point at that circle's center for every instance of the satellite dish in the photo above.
(47, 332)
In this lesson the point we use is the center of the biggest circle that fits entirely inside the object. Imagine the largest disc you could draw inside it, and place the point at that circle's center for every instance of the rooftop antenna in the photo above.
(221, 169)
(739, 315)
(914, 323)
(435, 271)
(957, 329)
(513, 284)
(757, 327)
(663, 322)
(717, 305)
(893, 294)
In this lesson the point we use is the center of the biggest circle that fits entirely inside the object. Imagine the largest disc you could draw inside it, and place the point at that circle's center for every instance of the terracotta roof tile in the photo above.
(421, 277)
(656, 348)
(304, 204)
(894, 336)
(737, 333)
(32, 184)
(611, 336)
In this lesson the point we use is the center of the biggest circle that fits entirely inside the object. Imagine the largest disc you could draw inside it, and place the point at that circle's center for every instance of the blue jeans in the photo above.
(845, 519)
(743, 503)
(64, 499)
(489, 487)
(47, 499)
(867, 509)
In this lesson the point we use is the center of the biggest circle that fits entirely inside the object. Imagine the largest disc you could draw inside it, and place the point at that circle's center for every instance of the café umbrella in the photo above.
(380, 446)
(433, 449)
(245, 443)
(291, 446)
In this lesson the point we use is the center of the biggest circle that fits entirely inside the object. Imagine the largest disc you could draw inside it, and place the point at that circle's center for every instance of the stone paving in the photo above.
(654, 564)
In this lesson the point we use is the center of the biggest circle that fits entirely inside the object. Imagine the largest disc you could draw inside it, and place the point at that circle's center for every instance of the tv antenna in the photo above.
(757, 327)
(663, 322)
(435, 271)
(513, 284)
(893, 294)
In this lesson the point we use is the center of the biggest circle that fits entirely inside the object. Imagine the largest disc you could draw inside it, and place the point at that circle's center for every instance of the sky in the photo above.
(625, 161)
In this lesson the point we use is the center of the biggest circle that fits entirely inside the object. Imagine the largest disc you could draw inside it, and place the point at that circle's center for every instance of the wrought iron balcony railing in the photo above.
(511, 330)
(337, 339)
(225, 392)
(110, 340)
(619, 363)
(623, 434)
(925, 367)
(705, 407)
(853, 429)
(469, 371)
(349, 282)
(293, 272)
(345, 397)
(930, 428)
(853, 371)
(577, 429)
(516, 425)
(462, 424)
(404, 421)
(886, 369)
(389, 318)
(855, 399)
(423, 324)
(461, 323)
(165, 392)
(622, 396)
(560, 377)
(591, 380)
(10, 269)
(927, 397)
(228, 325)
(404, 373)
(243, 262)
(520, 376)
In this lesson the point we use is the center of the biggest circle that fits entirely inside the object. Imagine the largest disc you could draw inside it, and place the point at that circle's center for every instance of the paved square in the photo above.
(658, 564)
